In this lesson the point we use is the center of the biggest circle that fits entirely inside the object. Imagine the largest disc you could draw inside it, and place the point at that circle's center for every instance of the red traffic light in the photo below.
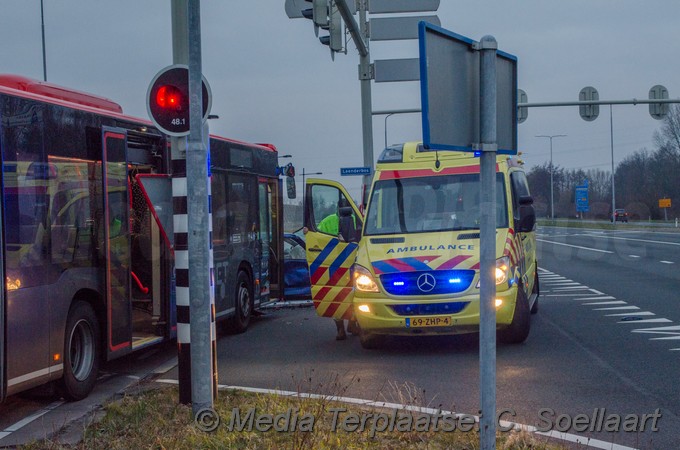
(170, 97)
(167, 100)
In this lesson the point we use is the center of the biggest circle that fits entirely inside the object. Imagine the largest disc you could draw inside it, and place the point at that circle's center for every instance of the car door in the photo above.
(331, 246)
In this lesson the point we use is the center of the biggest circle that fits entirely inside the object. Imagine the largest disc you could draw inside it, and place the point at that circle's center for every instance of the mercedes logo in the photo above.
(426, 282)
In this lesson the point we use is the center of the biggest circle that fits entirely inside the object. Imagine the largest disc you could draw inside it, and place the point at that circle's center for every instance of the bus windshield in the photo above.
(430, 204)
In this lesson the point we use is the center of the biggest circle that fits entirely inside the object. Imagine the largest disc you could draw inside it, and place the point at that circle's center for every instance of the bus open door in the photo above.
(333, 224)
(3, 361)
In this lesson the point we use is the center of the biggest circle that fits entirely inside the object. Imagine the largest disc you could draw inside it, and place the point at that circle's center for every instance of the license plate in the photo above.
(422, 322)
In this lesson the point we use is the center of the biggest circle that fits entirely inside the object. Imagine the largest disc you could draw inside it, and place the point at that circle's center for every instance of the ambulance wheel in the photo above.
(370, 341)
(518, 330)
(244, 304)
(534, 307)
(81, 352)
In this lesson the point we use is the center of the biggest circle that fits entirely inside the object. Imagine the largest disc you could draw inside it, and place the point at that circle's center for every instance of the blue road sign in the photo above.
(582, 199)
(355, 171)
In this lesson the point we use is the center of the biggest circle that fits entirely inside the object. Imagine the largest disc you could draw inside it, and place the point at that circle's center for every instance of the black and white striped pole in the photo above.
(179, 101)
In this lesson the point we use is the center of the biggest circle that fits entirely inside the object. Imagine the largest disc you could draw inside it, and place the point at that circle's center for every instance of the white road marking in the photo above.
(616, 307)
(667, 262)
(641, 313)
(633, 256)
(674, 329)
(617, 302)
(640, 240)
(575, 246)
(649, 321)
(575, 294)
(26, 420)
(632, 315)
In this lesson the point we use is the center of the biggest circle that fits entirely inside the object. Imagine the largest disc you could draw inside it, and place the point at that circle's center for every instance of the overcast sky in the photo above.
(272, 81)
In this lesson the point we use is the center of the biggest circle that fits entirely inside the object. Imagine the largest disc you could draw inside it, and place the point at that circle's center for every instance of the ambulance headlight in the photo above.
(363, 280)
(502, 271)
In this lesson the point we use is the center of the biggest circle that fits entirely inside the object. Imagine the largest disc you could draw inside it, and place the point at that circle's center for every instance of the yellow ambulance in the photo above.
(410, 264)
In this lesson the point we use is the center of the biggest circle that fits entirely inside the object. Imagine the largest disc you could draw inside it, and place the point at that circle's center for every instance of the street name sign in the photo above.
(355, 171)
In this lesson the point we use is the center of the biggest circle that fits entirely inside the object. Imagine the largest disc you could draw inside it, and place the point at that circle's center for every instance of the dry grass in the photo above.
(153, 419)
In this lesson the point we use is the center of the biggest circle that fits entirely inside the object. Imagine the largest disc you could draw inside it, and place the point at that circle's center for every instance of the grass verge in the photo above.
(153, 419)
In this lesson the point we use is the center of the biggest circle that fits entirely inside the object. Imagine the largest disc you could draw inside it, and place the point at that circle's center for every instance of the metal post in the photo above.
(365, 76)
(386, 117)
(552, 202)
(198, 207)
(487, 251)
(42, 23)
(611, 139)
(552, 185)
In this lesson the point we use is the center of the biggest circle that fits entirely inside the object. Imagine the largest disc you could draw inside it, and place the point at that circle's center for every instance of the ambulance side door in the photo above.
(333, 226)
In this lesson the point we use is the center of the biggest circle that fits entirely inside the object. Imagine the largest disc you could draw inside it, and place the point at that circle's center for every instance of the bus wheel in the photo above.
(244, 304)
(81, 352)
(518, 330)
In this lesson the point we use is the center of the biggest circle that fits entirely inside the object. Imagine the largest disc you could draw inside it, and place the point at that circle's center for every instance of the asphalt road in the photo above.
(581, 355)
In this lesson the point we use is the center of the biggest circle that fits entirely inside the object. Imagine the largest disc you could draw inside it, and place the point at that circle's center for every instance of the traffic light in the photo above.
(325, 15)
(318, 13)
(334, 39)
(168, 100)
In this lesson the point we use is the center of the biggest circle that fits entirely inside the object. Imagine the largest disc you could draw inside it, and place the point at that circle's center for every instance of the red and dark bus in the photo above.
(86, 255)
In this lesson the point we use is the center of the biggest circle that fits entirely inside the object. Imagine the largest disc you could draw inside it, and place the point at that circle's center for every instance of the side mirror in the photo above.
(290, 187)
(526, 200)
(527, 215)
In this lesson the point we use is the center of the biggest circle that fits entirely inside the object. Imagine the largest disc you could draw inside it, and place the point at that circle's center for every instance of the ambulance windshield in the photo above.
(430, 204)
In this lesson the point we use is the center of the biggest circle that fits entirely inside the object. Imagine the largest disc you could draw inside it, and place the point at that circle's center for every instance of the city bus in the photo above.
(87, 256)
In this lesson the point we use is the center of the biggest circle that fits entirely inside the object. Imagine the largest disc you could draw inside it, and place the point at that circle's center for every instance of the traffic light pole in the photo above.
(201, 290)
(360, 37)
(487, 243)
(197, 368)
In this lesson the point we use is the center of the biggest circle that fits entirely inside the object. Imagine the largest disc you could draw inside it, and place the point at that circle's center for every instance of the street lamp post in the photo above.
(42, 24)
(552, 203)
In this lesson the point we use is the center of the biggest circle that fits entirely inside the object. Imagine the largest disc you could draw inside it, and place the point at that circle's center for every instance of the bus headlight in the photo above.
(363, 280)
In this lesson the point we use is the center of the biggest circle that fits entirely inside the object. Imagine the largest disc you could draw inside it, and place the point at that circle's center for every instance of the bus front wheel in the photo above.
(81, 352)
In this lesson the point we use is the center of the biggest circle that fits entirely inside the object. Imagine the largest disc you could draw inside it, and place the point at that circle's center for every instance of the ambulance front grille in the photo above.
(427, 282)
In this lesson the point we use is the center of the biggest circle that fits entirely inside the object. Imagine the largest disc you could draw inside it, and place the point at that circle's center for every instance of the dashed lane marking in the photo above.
(618, 309)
